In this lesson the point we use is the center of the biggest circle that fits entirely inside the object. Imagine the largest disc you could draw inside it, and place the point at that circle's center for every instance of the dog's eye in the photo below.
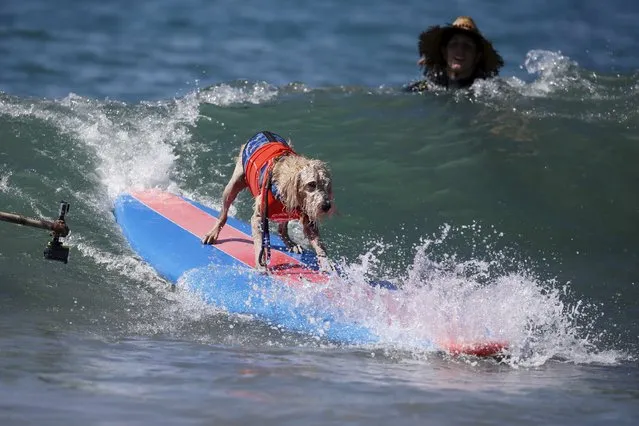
(311, 186)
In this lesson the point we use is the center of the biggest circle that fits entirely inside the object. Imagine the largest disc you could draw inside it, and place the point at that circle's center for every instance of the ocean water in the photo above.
(512, 206)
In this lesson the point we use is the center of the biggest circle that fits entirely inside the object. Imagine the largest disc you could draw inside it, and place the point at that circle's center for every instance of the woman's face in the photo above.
(461, 55)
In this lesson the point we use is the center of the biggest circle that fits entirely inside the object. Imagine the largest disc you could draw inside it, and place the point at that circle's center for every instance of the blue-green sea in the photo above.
(511, 206)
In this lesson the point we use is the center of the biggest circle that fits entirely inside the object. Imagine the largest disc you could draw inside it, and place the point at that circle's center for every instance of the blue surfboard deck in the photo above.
(174, 249)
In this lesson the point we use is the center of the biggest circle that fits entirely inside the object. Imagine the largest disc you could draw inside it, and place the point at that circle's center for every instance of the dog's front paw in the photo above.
(211, 236)
(261, 269)
(325, 265)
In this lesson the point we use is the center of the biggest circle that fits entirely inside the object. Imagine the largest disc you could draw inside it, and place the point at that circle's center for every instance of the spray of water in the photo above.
(239, 93)
(445, 298)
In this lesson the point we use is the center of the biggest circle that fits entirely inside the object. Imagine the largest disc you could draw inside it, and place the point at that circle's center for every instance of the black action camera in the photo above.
(54, 249)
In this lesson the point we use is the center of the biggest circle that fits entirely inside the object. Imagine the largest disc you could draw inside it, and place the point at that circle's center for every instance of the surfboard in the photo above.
(166, 230)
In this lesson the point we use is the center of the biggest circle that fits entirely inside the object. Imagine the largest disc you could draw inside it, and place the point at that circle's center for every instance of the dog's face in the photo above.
(315, 190)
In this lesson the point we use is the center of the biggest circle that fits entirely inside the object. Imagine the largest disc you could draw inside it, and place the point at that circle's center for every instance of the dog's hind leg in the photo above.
(282, 229)
(235, 185)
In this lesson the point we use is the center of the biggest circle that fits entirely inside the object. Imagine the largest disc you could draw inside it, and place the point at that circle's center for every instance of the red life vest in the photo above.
(257, 171)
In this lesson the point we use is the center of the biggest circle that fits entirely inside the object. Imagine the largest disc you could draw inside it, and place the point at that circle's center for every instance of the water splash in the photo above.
(495, 295)
(445, 298)
(4, 180)
(238, 93)
(558, 88)
(133, 145)
(129, 146)
(555, 73)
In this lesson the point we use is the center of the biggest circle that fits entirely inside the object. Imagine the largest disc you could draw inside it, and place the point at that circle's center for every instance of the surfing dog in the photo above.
(286, 186)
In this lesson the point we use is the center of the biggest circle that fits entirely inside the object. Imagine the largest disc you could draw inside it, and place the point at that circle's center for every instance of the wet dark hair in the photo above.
(473, 36)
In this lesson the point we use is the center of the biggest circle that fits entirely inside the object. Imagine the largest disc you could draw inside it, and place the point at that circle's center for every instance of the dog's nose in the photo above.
(326, 206)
